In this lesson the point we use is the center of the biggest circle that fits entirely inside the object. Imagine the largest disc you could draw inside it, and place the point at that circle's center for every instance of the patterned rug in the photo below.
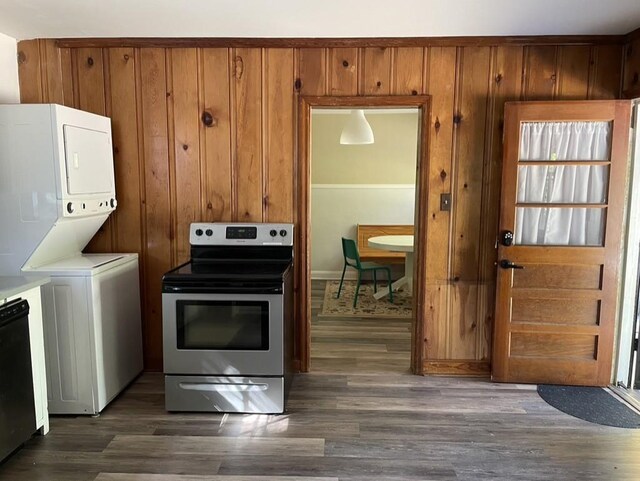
(367, 305)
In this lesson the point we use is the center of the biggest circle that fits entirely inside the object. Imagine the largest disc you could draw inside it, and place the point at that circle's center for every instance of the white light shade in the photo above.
(357, 130)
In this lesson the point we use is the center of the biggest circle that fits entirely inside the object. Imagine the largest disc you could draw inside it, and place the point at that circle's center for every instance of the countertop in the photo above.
(10, 286)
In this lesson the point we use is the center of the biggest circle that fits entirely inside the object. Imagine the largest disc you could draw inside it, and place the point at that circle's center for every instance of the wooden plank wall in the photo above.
(172, 169)
(631, 78)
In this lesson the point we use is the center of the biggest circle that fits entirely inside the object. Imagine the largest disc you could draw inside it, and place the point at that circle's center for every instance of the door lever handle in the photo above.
(507, 264)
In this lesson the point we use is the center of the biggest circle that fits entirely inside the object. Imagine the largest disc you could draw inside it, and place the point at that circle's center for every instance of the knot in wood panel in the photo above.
(185, 147)
(345, 63)
(498, 78)
(443, 174)
(126, 57)
(457, 118)
(553, 78)
(208, 119)
(379, 84)
(437, 124)
(22, 58)
(297, 84)
(414, 92)
(90, 61)
(238, 70)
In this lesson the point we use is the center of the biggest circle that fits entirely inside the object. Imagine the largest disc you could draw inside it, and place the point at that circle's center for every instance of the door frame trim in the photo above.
(629, 271)
(303, 215)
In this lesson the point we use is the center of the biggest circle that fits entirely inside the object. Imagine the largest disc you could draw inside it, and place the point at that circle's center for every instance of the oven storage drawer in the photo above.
(225, 394)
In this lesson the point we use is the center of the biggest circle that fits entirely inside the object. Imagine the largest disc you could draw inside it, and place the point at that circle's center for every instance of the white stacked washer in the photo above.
(57, 188)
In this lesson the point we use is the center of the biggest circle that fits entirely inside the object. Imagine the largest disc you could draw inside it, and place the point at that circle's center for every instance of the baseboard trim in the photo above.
(469, 368)
(350, 275)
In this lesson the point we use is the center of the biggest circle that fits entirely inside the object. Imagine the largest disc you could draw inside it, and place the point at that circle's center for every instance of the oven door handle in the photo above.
(169, 289)
(222, 386)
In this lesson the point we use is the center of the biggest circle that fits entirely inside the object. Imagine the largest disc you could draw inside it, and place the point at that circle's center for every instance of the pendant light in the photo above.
(357, 130)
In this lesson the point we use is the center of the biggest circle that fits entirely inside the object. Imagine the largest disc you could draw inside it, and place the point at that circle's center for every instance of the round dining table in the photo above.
(396, 243)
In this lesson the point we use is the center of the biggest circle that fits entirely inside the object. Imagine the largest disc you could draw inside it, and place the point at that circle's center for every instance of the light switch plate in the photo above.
(445, 202)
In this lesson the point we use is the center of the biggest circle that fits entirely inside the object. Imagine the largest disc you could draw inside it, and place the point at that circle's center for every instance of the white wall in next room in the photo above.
(336, 211)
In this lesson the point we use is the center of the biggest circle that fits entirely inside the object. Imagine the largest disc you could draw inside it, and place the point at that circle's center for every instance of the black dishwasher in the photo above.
(17, 409)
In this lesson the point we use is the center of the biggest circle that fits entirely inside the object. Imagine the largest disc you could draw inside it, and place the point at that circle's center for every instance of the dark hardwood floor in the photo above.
(347, 425)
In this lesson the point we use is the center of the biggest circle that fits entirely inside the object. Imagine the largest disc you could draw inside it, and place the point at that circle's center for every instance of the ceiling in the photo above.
(24, 19)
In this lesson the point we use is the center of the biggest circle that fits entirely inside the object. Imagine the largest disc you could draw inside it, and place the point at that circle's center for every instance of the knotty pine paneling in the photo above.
(30, 72)
(91, 93)
(440, 82)
(124, 118)
(505, 83)
(408, 71)
(631, 79)
(183, 98)
(606, 72)
(312, 71)
(248, 148)
(279, 123)
(217, 166)
(376, 71)
(540, 72)
(343, 70)
(470, 126)
(573, 72)
(242, 165)
(151, 88)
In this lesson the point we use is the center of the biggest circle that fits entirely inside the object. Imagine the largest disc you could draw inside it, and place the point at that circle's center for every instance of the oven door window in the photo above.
(223, 325)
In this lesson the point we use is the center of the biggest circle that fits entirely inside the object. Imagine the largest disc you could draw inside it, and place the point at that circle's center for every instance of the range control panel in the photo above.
(251, 234)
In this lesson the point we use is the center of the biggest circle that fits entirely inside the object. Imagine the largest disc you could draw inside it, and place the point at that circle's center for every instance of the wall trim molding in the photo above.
(350, 275)
(633, 35)
(363, 186)
(328, 42)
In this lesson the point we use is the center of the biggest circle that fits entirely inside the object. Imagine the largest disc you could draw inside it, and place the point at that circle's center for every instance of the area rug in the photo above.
(592, 404)
(367, 305)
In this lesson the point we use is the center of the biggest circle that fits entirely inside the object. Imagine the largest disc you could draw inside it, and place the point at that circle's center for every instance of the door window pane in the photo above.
(563, 184)
(560, 226)
(565, 141)
(223, 325)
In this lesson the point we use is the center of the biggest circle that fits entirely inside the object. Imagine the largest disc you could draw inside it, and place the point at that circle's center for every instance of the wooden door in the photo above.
(563, 191)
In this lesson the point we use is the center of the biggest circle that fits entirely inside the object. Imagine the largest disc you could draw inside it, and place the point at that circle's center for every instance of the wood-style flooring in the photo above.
(356, 426)
(357, 344)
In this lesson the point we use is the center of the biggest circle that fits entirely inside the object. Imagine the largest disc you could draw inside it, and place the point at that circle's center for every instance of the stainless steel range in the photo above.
(228, 320)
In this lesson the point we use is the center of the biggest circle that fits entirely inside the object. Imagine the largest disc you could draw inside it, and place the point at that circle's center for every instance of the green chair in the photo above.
(352, 259)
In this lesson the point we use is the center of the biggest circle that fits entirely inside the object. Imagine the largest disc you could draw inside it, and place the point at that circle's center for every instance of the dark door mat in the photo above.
(592, 404)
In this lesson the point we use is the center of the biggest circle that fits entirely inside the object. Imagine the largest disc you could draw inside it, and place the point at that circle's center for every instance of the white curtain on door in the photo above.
(566, 184)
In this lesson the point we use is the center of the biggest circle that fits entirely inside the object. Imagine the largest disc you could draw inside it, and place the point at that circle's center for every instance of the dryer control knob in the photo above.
(70, 208)
(209, 232)
(283, 233)
(113, 203)
(273, 232)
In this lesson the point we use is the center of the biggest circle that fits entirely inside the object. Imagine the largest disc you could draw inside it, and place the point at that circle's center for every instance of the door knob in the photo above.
(507, 264)
(506, 237)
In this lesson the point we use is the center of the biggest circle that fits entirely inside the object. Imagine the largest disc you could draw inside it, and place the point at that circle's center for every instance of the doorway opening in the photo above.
(362, 191)
(371, 196)
(628, 360)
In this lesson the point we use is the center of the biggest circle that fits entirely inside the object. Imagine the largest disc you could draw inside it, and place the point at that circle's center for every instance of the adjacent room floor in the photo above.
(359, 416)
(357, 344)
